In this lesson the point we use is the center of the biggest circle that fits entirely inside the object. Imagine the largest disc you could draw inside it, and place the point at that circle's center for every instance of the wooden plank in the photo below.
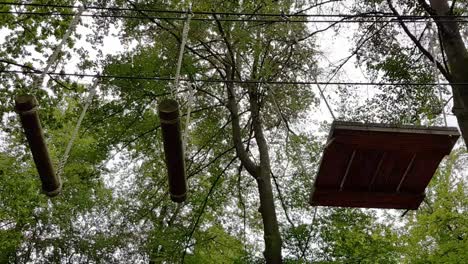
(366, 200)
(408, 168)
(393, 141)
(391, 171)
(379, 166)
(330, 176)
(411, 129)
(362, 170)
(350, 162)
(421, 172)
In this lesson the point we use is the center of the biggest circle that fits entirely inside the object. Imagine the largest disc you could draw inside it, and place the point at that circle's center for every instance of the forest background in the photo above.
(258, 126)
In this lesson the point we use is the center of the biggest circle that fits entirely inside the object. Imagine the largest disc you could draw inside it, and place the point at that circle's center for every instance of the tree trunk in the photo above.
(267, 209)
(271, 232)
(261, 173)
(457, 58)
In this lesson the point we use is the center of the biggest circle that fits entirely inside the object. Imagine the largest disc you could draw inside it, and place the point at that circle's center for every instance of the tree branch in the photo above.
(418, 44)
(283, 204)
(249, 165)
(205, 202)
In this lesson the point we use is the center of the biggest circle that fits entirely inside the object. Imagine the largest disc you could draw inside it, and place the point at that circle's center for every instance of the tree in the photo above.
(384, 41)
(437, 233)
(351, 236)
(250, 161)
(250, 54)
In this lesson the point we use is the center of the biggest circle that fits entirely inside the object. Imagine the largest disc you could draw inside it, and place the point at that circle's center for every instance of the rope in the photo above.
(325, 99)
(244, 14)
(89, 99)
(187, 118)
(301, 163)
(211, 80)
(181, 53)
(436, 76)
(38, 82)
(315, 78)
(348, 19)
(177, 79)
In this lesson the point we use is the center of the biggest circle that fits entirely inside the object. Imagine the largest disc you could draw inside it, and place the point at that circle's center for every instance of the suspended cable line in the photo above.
(207, 19)
(284, 19)
(277, 15)
(51, 60)
(88, 101)
(166, 79)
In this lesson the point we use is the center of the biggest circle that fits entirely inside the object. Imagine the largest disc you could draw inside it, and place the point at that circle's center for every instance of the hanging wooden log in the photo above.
(26, 107)
(173, 149)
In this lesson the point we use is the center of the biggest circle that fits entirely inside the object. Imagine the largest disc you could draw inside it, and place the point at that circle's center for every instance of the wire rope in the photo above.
(433, 42)
(161, 78)
(37, 83)
(199, 12)
(344, 18)
(88, 101)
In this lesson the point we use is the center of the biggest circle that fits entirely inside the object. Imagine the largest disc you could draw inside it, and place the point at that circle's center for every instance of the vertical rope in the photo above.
(324, 99)
(187, 118)
(436, 75)
(183, 42)
(181, 53)
(89, 99)
(288, 24)
(38, 82)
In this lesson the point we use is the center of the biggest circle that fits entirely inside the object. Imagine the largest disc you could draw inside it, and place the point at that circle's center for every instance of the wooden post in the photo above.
(26, 106)
(173, 149)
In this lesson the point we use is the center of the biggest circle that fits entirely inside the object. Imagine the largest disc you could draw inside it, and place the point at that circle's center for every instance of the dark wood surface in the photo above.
(173, 149)
(25, 106)
(380, 166)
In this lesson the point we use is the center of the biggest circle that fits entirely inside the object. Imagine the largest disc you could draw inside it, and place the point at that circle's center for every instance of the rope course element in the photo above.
(251, 17)
(181, 54)
(325, 99)
(88, 101)
(159, 78)
(26, 107)
(173, 140)
(282, 15)
(177, 79)
(436, 76)
(38, 82)
(344, 18)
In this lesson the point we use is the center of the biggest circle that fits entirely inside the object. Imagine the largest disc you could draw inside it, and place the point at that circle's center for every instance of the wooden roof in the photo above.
(379, 166)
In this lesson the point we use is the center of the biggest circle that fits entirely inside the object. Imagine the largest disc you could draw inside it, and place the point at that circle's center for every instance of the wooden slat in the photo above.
(332, 175)
(391, 171)
(411, 129)
(362, 170)
(421, 172)
(366, 199)
(392, 141)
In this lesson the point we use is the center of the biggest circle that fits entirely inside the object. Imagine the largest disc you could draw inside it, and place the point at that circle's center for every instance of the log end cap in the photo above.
(179, 198)
(53, 193)
(168, 110)
(25, 103)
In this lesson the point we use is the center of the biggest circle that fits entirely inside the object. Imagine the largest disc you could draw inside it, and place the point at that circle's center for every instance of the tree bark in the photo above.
(261, 172)
(457, 57)
(267, 209)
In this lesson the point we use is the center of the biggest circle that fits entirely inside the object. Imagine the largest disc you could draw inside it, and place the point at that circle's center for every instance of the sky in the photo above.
(333, 47)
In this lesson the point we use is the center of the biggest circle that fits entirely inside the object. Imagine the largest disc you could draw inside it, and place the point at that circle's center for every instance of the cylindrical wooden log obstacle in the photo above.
(173, 149)
(26, 107)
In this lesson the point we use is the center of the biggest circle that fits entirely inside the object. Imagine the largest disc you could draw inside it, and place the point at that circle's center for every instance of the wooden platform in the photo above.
(379, 166)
